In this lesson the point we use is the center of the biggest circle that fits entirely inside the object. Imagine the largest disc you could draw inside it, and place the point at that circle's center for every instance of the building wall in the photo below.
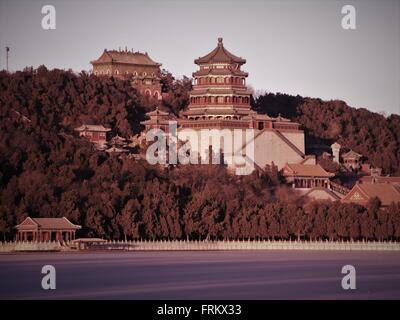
(150, 84)
(319, 194)
(268, 148)
(297, 138)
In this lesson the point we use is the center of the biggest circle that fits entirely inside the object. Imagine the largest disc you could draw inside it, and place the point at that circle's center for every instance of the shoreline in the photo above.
(184, 245)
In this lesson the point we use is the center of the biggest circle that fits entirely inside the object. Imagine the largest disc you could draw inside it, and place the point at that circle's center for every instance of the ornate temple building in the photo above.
(136, 66)
(96, 134)
(220, 99)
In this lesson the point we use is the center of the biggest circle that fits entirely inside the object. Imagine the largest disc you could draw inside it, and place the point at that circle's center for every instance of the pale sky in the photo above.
(294, 47)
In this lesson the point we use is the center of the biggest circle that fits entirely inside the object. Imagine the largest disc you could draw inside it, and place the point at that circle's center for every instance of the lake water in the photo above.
(201, 275)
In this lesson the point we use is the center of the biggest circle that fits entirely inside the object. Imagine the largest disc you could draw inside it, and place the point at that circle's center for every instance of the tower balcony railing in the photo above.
(221, 84)
(207, 104)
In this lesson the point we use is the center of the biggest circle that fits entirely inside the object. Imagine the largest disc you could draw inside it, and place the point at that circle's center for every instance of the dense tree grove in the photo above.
(46, 170)
(175, 92)
(371, 134)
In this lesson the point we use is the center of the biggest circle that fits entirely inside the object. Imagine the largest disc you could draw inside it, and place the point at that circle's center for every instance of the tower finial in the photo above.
(220, 41)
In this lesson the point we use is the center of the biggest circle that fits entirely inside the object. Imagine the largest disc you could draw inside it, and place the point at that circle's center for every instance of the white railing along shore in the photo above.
(193, 245)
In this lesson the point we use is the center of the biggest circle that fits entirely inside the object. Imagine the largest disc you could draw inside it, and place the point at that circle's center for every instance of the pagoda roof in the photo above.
(219, 54)
(92, 127)
(127, 57)
(214, 71)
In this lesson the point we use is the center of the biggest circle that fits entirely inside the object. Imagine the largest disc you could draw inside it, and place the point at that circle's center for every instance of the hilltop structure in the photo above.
(143, 72)
(220, 99)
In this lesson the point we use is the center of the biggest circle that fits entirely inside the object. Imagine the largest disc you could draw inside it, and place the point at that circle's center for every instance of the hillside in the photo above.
(47, 171)
(373, 135)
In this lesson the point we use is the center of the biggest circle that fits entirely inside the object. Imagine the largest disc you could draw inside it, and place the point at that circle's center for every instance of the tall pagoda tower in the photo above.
(220, 100)
(219, 92)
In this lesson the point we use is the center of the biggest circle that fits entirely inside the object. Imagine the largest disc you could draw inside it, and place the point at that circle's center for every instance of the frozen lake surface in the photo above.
(201, 275)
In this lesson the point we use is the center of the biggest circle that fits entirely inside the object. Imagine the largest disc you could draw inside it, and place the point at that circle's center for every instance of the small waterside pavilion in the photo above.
(46, 229)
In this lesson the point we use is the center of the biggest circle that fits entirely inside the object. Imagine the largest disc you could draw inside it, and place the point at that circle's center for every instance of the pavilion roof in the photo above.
(92, 127)
(47, 223)
(386, 192)
(352, 154)
(128, 57)
(380, 179)
(219, 54)
(157, 112)
(305, 170)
